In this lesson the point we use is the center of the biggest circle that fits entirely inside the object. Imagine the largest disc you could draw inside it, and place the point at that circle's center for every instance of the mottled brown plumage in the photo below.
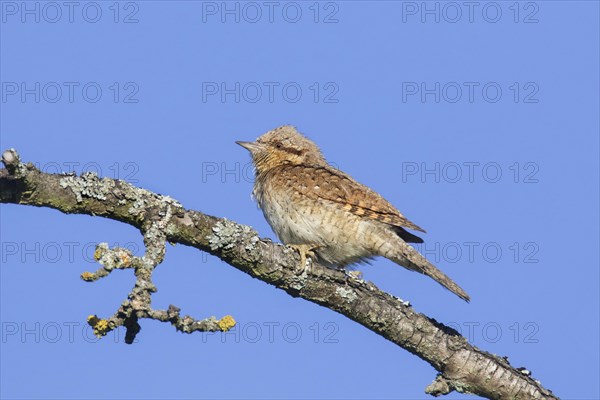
(343, 190)
(311, 204)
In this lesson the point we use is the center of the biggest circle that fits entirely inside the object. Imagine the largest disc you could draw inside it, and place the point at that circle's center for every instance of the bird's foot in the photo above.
(306, 251)
(355, 274)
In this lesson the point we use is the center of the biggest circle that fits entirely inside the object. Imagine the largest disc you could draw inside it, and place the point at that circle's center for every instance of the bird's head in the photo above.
(281, 146)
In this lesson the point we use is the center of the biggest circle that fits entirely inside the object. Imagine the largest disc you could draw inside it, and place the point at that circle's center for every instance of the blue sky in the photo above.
(479, 122)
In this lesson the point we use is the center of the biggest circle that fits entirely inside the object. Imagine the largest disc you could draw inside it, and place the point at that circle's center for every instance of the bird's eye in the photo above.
(279, 145)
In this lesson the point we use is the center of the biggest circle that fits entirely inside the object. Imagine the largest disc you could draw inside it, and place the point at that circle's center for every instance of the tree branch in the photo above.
(462, 367)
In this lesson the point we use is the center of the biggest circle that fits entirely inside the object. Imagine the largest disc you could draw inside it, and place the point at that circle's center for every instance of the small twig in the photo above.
(139, 300)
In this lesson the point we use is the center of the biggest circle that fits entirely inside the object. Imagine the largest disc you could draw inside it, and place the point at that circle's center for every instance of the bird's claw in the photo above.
(355, 274)
(305, 251)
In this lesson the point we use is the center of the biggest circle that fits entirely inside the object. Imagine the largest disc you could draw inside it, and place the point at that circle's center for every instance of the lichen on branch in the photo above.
(462, 367)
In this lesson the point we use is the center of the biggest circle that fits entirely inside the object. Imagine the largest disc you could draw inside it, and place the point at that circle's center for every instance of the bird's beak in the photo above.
(250, 146)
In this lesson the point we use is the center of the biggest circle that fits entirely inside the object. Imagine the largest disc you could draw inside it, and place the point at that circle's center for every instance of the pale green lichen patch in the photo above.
(138, 206)
(252, 245)
(298, 282)
(171, 201)
(142, 199)
(346, 294)
(226, 233)
(88, 185)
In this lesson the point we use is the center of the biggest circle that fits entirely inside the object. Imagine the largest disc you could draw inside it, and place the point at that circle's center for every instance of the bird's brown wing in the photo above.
(328, 183)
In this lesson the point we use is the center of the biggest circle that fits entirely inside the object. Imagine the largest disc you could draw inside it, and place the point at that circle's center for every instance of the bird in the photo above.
(324, 213)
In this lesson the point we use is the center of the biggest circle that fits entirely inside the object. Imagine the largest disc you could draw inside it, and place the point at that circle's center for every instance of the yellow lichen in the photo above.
(87, 276)
(226, 323)
(98, 253)
(101, 327)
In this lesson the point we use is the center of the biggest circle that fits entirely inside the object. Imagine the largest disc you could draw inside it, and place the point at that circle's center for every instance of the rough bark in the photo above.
(462, 366)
